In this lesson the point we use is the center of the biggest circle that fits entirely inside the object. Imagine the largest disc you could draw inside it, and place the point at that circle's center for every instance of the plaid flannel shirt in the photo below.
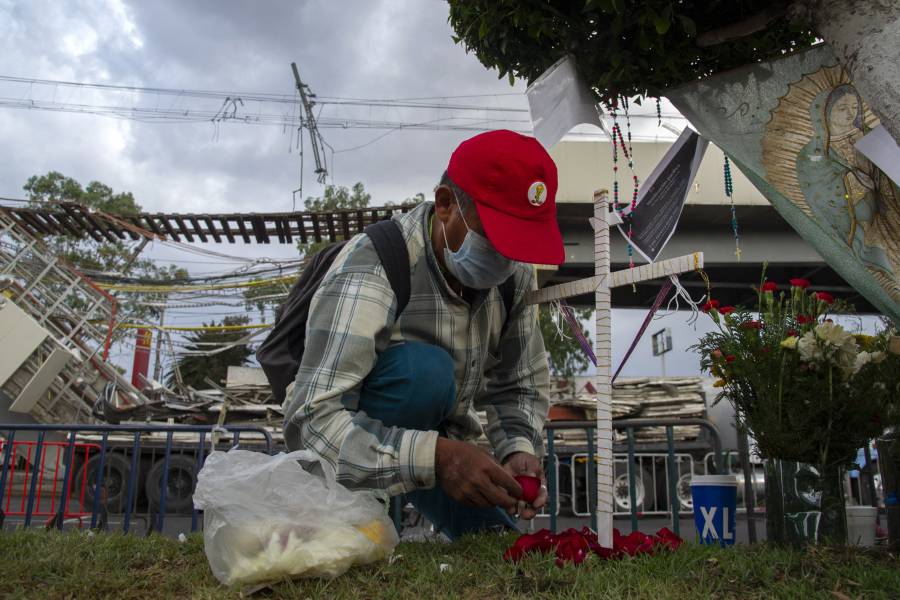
(351, 321)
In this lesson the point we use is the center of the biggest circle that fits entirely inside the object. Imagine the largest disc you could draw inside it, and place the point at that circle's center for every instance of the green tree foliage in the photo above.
(88, 255)
(334, 198)
(339, 198)
(96, 259)
(564, 353)
(622, 47)
(195, 368)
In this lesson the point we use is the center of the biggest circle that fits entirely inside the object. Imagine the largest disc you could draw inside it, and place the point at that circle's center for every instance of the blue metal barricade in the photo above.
(628, 426)
(29, 488)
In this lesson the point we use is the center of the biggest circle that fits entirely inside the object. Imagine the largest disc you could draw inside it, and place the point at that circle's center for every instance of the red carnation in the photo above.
(711, 305)
(799, 282)
(803, 319)
(769, 286)
(825, 297)
(792, 332)
(751, 325)
(730, 358)
(726, 310)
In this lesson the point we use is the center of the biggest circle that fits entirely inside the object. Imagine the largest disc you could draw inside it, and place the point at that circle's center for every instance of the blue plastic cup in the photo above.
(715, 502)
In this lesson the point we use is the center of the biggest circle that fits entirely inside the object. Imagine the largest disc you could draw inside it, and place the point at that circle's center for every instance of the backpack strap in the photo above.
(387, 237)
(508, 294)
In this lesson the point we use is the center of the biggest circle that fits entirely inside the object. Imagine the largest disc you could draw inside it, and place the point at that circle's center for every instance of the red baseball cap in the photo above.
(513, 182)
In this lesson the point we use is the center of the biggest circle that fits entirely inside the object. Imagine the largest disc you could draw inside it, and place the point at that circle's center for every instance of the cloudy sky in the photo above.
(385, 49)
(347, 49)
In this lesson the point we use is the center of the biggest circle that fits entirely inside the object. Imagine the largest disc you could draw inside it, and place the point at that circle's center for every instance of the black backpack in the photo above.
(280, 354)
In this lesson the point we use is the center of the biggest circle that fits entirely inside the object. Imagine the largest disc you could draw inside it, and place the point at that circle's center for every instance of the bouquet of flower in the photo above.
(807, 389)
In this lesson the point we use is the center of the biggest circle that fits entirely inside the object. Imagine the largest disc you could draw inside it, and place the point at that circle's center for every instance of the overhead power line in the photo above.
(270, 109)
(247, 96)
(193, 328)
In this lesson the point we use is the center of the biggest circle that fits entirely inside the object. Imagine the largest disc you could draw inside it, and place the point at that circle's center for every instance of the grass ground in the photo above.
(37, 564)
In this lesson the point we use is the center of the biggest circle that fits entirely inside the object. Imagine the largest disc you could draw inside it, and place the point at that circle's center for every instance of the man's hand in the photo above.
(470, 475)
(522, 463)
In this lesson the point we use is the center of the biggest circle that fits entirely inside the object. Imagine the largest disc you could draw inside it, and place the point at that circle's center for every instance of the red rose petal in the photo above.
(575, 546)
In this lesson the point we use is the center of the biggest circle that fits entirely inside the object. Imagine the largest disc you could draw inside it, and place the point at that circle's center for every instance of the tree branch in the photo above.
(749, 26)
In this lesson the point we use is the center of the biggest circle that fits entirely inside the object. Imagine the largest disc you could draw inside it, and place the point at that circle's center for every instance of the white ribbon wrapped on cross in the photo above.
(600, 284)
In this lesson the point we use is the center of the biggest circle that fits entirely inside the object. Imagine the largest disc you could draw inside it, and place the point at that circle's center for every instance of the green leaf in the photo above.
(662, 25)
(643, 40)
(512, 78)
(688, 25)
(484, 29)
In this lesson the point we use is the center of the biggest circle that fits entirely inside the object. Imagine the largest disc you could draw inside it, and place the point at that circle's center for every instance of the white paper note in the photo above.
(559, 100)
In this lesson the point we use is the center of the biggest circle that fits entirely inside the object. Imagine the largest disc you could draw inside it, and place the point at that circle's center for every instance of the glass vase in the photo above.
(889, 465)
(804, 504)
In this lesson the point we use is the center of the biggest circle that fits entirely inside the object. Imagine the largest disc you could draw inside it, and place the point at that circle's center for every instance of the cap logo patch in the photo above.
(537, 193)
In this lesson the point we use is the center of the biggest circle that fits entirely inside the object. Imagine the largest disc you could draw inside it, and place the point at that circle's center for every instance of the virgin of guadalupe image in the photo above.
(810, 157)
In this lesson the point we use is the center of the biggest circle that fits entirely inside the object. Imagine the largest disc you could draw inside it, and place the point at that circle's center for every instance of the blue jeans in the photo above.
(412, 386)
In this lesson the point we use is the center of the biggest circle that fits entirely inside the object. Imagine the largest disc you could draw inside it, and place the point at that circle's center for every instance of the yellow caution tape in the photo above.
(163, 287)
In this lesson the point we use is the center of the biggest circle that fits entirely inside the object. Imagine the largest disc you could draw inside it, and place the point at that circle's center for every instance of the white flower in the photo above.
(829, 343)
(864, 358)
(809, 347)
(836, 337)
(833, 334)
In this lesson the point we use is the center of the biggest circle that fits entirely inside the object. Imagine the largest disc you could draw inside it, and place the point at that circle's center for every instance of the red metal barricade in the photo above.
(49, 485)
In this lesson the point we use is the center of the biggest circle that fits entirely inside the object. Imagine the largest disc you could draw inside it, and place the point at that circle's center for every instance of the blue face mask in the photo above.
(476, 264)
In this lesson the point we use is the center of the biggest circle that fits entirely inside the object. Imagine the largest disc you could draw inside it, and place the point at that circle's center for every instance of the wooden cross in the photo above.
(600, 284)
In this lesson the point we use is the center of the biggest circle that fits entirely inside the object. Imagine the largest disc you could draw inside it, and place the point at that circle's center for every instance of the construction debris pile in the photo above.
(246, 399)
(643, 397)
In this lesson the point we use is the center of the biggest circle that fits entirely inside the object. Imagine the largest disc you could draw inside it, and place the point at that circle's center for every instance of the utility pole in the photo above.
(315, 138)
(157, 366)
(134, 255)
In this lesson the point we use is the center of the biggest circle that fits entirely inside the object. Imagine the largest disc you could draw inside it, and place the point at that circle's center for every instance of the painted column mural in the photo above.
(791, 126)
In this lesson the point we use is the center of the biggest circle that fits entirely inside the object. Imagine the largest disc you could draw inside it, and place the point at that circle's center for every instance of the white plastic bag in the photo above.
(267, 519)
